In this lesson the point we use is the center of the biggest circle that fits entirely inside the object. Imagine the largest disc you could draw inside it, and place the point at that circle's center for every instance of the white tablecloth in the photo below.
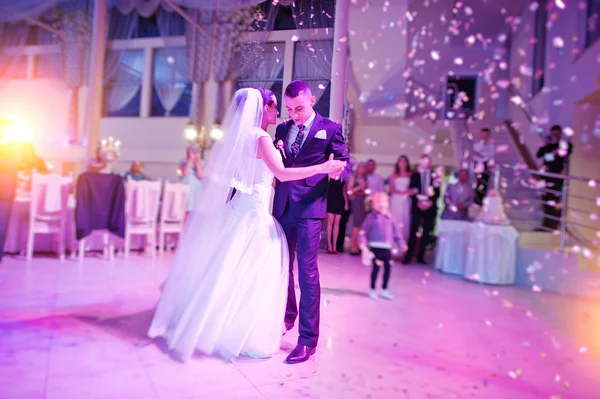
(491, 254)
(451, 244)
(16, 235)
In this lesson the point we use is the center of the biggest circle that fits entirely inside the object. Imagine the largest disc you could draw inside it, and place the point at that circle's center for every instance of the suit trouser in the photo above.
(482, 187)
(553, 210)
(342, 234)
(427, 219)
(303, 237)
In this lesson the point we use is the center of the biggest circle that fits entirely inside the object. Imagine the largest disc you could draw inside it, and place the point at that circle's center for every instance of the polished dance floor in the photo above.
(71, 330)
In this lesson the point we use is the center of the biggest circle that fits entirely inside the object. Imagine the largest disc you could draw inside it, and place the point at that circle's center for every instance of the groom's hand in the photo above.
(335, 175)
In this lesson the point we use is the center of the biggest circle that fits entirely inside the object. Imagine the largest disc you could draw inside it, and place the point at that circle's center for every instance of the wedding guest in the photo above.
(357, 193)
(97, 164)
(375, 182)
(400, 199)
(337, 203)
(30, 161)
(343, 224)
(135, 172)
(191, 172)
(458, 198)
(484, 151)
(378, 235)
(425, 185)
(555, 154)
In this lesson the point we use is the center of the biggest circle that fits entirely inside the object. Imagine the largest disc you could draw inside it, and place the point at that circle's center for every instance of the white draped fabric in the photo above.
(313, 65)
(147, 8)
(268, 70)
(170, 76)
(124, 76)
(491, 254)
(452, 243)
(123, 69)
(12, 36)
(313, 55)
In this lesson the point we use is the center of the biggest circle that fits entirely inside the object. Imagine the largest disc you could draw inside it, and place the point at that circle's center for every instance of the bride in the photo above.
(227, 290)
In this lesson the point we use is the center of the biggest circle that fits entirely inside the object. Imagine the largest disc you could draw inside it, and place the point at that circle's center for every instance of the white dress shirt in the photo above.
(294, 131)
(486, 151)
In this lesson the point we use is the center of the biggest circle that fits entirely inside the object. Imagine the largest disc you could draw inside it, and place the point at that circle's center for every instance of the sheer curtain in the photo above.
(314, 66)
(268, 69)
(12, 36)
(124, 80)
(171, 72)
(313, 54)
(123, 69)
(170, 76)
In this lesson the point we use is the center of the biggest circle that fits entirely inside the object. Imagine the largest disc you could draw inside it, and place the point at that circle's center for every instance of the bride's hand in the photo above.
(333, 167)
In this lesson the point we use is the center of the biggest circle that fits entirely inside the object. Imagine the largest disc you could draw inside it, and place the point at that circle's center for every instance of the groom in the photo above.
(300, 206)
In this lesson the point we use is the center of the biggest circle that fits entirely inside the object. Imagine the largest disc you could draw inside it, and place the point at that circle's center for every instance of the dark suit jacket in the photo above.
(100, 204)
(415, 182)
(307, 198)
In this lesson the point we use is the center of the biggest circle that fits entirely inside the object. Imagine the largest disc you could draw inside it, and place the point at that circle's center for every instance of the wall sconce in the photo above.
(200, 137)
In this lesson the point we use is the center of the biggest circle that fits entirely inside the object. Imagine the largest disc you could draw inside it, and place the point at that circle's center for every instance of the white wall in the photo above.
(571, 72)
(394, 46)
(570, 97)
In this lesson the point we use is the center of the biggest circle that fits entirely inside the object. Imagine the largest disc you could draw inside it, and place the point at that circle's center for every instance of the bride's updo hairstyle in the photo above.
(267, 96)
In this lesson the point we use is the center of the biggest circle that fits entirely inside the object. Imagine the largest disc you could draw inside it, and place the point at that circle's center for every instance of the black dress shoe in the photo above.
(421, 261)
(300, 354)
(405, 261)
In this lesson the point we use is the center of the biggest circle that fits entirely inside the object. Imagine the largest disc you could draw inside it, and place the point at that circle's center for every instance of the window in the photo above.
(539, 48)
(123, 82)
(48, 66)
(268, 73)
(133, 25)
(312, 64)
(592, 22)
(171, 88)
(460, 96)
(13, 67)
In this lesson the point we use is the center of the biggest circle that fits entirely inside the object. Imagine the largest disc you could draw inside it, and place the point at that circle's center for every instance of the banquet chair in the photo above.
(100, 208)
(142, 202)
(48, 210)
(172, 213)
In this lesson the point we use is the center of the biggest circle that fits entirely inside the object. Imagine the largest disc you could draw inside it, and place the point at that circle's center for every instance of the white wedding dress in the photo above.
(234, 301)
(400, 206)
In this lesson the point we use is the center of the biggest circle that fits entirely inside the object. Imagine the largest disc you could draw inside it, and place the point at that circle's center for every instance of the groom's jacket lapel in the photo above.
(286, 144)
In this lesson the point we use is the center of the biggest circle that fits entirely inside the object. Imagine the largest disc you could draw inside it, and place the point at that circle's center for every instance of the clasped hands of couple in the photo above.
(333, 167)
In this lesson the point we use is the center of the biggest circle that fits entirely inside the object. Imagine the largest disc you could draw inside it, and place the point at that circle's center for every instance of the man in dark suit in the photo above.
(555, 154)
(300, 206)
(424, 190)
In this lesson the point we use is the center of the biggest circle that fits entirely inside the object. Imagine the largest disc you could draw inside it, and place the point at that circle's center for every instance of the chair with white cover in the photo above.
(172, 214)
(48, 211)
(142, 202)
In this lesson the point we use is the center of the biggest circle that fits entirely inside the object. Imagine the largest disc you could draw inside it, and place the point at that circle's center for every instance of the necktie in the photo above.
(298, 142)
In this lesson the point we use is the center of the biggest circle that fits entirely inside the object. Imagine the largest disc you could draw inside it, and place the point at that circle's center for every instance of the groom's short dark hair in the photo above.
(296, 87)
